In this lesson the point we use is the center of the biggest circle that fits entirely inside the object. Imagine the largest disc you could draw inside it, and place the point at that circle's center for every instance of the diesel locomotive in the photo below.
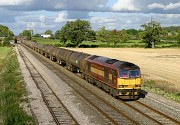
(119, 78)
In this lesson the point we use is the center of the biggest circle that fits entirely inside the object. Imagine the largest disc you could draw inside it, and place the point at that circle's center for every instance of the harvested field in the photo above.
(161, 65)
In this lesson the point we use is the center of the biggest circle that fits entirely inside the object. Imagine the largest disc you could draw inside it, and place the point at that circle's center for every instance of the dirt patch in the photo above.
(155, 64)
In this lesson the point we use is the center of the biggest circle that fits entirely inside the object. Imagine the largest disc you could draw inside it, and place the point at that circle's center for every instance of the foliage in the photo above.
(6, 41)
(172, 28)
(4, 52)
(152, 33)
(162, 88)
(117, 36)
(58, 34)
(102, 34)
(5, 32)
(27, 34)
(76, 31)
(133, 33)
(11, 92)
(48, 32)
(46, 41)
(37, 35)
(178, 38)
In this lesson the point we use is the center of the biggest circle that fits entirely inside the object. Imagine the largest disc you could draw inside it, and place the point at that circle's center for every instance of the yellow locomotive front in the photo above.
(129, 83)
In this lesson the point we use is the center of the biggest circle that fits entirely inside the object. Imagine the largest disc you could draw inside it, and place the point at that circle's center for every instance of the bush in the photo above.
(178, 42)
(6, 41)
(34, 41)
(71, 45)
(88, 46)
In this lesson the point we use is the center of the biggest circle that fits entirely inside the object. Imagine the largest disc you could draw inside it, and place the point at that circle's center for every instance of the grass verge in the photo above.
(4, 51)
(162, 88)
(47, 41)
(11, 94)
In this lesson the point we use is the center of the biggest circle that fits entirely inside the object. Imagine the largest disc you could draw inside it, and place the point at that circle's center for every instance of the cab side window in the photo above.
(89, 67)
(114, 73)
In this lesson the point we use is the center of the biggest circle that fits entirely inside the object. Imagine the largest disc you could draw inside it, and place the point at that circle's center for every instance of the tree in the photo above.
(58, 34)
(117, 36)
(6, 41)
(27, 34)
(133, 33)
(37, 35)
(5, 32)
(114, 37)
(102, 34)
(178, 38)
(152, 33)
(76, 31)
(48, 32)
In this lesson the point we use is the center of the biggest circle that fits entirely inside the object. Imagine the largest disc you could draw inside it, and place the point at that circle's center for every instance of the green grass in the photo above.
(90, 44)
(162, 88)
(11, 93)
(46, 41)
(130, 43)
(4, 51)
(134, 41)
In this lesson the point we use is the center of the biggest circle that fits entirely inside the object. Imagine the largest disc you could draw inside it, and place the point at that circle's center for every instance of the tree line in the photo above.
(75, 32)
(80, 30)
(5, 35)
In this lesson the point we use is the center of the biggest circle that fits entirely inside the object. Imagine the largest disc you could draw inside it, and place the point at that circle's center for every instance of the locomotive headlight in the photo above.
(121, 86)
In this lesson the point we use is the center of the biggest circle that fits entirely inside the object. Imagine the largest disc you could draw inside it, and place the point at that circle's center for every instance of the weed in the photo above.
(163, 88)
(11, 92)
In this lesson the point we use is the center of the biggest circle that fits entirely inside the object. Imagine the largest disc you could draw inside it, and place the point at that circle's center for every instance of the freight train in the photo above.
(119, 78)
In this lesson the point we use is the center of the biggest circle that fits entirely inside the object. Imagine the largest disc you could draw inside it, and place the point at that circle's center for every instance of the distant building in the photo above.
(45, 35)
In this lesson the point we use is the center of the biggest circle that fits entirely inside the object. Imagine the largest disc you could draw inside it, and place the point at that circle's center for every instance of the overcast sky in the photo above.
(41, 15)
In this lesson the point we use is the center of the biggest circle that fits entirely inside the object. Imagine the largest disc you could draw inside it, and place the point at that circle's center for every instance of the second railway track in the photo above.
(59, 112)
(116, 115)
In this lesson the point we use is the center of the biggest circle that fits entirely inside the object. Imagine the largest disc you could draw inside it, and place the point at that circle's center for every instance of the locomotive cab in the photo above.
(129, 82)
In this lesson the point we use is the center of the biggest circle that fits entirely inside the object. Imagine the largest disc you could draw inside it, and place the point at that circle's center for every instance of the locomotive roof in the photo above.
(111, 63)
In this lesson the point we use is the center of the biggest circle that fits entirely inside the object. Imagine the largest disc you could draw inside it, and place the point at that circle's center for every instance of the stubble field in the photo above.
(159, 65)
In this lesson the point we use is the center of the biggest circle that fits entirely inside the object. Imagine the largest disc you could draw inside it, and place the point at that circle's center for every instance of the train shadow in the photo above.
(142, 94)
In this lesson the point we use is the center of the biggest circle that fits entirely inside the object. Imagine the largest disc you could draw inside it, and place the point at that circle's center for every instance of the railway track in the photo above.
(59, 112)
(116, 115)
(113, 114)
(153, 114)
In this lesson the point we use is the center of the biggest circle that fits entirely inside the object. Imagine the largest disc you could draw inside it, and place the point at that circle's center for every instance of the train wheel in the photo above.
(111, 92)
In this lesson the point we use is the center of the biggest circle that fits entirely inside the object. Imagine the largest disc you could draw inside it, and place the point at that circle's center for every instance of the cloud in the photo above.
(102, 20)
(156, 5)
(13, 2)
(77, 14)
(99, 21)
(172, 6)
(42, 18)
(8, 16)
(41, 15)
(165, 7)
(128, 21)
(61, 18)
(121, 5)
(55, 5)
